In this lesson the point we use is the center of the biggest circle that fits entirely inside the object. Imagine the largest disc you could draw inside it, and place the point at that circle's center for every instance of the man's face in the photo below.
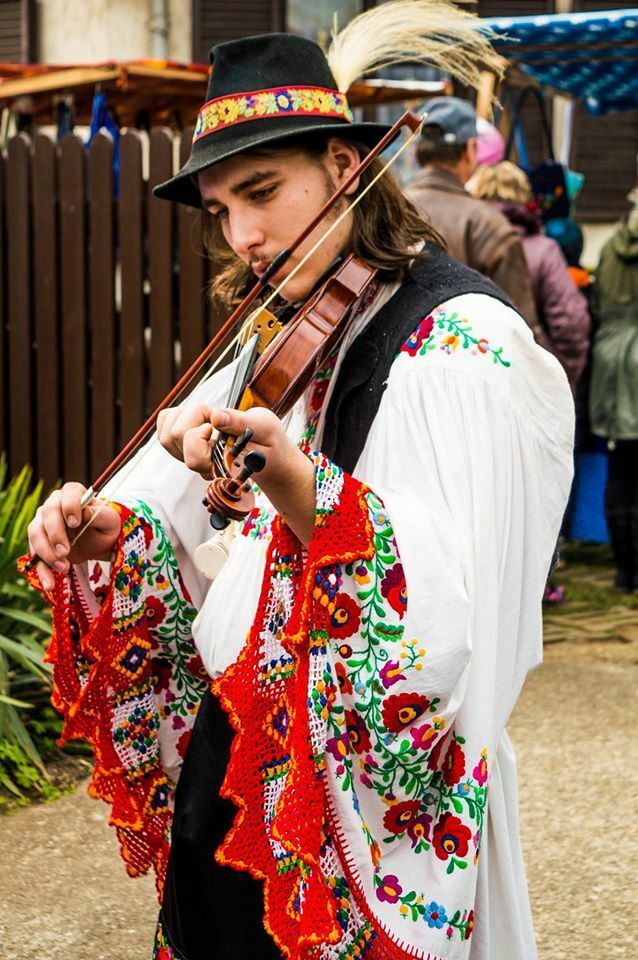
(262, 203)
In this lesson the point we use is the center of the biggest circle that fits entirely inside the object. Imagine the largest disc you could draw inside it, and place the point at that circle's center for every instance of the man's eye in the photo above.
(264, 193)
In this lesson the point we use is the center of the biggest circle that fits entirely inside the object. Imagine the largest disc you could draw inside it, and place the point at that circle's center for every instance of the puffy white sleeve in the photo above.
(471, 453)
(469, 461)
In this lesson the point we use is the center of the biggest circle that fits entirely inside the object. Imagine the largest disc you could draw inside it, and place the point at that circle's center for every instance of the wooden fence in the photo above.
(102, 296)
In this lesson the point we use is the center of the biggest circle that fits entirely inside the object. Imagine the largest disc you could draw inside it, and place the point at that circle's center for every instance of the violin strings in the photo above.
(235, 341)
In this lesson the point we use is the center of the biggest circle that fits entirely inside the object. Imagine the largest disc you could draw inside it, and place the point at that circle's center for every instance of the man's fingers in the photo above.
(197, 449)
(39, 542)
(47, 579)
(71, 497)
(264, 423)
(55, 528)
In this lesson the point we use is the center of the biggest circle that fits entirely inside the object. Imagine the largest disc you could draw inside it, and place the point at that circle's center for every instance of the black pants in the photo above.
(209, 912)
(621, 508)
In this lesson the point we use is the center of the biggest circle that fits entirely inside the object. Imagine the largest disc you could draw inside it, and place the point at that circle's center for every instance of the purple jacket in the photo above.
(562, 308)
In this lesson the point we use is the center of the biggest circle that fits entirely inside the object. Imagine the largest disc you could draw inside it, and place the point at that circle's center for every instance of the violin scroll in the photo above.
(230, 497)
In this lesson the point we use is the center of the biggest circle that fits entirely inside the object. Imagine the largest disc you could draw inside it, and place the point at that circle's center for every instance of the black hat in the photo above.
(263, 89)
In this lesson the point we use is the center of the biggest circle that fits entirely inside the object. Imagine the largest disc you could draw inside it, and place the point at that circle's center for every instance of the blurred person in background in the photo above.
(562, 309)
(613, 403)
(474, 232)
(569, 237)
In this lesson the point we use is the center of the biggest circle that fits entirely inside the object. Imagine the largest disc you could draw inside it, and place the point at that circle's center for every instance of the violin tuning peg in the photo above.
(218, 521)
(241, 442)
(255, 461)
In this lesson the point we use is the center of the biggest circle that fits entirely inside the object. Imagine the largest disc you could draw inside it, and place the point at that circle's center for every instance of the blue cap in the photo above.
(455, 117)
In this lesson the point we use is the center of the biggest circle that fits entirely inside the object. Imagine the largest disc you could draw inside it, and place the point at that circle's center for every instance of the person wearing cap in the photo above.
(371, 629)
(474, 232)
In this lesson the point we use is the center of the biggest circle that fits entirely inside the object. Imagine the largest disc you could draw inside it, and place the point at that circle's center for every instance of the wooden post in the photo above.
(103, 438)
(48, 462)
(132, 273)
(19, 334)
(160, 245)
(74, 317)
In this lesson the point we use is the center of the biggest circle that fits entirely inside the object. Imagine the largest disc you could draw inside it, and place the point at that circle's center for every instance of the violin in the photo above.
(281, 374)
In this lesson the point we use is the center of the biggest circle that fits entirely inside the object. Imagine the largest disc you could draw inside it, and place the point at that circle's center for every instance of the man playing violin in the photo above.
(369, 634)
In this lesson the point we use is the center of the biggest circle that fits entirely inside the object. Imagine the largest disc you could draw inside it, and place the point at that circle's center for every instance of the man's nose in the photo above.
(245, 234)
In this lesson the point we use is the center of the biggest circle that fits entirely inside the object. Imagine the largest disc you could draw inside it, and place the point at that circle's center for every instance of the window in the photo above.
(17, 31)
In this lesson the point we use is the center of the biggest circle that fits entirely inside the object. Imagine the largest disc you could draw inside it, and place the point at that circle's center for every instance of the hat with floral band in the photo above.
(270, 88)
(264, 89)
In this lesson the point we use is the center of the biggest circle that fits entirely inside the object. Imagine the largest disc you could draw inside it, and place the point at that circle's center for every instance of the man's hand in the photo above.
(288, 477)
(60, 513)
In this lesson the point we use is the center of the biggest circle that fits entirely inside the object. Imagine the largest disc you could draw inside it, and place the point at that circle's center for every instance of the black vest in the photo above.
(433, 278)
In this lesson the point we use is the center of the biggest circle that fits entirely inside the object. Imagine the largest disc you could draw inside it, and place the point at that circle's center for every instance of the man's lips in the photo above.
(260, 266)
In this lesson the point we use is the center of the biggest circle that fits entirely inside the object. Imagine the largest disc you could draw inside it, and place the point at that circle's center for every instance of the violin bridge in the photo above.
(263, 323)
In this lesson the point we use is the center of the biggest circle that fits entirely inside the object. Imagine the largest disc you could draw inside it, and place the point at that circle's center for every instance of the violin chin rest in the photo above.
(211, 555)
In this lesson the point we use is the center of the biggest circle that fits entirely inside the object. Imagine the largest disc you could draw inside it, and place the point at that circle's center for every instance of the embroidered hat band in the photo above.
(262, 91)
(275, 102)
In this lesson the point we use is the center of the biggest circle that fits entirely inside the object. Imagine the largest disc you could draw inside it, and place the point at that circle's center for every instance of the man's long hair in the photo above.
(387, 229)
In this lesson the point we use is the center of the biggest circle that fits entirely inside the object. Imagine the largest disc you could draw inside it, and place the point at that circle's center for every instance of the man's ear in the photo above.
(343, 159)
(471, 151)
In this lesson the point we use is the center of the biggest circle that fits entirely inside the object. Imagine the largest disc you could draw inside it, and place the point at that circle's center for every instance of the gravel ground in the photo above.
(66, 896)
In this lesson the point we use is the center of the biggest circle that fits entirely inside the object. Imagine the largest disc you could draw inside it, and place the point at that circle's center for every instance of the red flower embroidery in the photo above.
(402, 709)
(182, 743)
(163, 671)
(342, 678)
(147, 530)
(470, 925)
(454, 764)
(416, 338)
(401, 816)
(345, 618)
(318, 395)
(155, 611)
(435, 756)
(393, 588)
(196, 667)
(357, 732)
(450, 837)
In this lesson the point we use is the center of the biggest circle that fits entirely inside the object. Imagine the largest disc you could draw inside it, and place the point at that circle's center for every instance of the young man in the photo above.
(373, 625)
(474, 232)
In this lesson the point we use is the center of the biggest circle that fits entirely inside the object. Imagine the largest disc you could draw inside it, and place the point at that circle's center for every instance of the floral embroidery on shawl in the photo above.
(129, 682)
(327, 663)
(446, 331)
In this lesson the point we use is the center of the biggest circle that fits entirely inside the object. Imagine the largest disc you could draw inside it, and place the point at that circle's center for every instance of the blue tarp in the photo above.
(588, 55)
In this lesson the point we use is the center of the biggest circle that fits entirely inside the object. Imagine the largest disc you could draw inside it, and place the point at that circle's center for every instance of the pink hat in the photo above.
(490, 146)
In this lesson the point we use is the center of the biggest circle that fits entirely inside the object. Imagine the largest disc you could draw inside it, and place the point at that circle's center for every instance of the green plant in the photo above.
(25, 679)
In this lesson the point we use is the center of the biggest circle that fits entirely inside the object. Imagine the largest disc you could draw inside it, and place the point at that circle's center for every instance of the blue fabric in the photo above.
(588, 517)
(588, 55)
(101, 119)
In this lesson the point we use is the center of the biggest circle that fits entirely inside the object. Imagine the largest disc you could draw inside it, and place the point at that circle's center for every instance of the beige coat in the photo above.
(478, 235)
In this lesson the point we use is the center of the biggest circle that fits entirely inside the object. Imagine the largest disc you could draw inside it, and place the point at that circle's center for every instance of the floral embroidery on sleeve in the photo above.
(387, 739)
(129, 682)
(447, 331)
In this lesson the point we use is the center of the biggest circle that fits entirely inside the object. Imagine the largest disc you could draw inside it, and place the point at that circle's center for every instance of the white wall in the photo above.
(595, 236)
(90, 31)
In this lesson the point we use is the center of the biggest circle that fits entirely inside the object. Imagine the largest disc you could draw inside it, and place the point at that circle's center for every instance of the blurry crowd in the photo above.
(483, 207)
